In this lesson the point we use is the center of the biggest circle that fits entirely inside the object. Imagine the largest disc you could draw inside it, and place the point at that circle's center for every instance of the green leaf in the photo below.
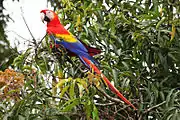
(160, 22)
(125, 65)
(95, 113)
(68, 106)
(88, 108)
(62, 82)
(21, 117)
(71, 90)
(26, 67)
(115, 74)
(168, 98)
(173, 98)
(162, 95)
(86, 30)
(81, 88)
(63, 91)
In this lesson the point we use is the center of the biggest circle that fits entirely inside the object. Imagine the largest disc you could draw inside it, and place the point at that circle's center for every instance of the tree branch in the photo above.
(109, 97)
(153, 107)
(66, 99)
(34, 40)
(105, 104)
(19, 36)
(149, 109)
(69, 114)
(41, 40)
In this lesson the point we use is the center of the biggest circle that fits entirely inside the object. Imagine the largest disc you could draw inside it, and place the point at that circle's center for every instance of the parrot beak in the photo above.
(43, 13)
(44, 17)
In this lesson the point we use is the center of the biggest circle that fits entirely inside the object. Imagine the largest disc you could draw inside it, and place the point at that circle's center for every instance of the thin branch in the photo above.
(64, 113)
(34, 40)
(123, 108)
(55, 97)
(19, 35)
(41, 40)
(69, 114)
(109, 97)
(105, 104)
(153, 107)
(149, 109)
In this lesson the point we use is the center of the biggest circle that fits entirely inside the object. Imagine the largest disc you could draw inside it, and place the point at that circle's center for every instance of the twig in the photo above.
(66, 99)
(105, 104)
(109, 97)
(19, 35)
(41, 40)
(34, 40)
(69, 114)
(153, 107)
(149, 109)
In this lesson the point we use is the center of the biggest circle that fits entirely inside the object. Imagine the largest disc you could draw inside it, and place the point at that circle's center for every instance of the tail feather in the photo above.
(108, 83)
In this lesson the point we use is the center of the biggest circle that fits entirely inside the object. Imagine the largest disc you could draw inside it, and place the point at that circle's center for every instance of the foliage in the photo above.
(7, 54)
(11, 82)
(140, 42)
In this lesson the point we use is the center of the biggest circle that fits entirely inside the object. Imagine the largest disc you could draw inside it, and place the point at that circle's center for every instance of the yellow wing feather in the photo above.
(66, 37)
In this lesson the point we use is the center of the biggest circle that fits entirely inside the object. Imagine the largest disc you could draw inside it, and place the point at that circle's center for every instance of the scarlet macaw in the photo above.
(61, 36)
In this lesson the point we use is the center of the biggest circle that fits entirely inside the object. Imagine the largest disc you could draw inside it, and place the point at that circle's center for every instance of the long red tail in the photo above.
(111, 87)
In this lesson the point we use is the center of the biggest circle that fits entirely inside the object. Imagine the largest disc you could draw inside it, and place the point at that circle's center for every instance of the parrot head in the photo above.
(50, 17)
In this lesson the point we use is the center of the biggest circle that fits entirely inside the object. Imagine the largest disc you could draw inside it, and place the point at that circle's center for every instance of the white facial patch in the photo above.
(49, 14)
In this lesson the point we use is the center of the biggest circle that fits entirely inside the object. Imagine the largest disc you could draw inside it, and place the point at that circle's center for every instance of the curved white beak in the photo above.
(42, 17)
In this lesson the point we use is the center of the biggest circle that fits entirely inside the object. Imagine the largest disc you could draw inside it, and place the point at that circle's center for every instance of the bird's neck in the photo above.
(56, 27)
(54, 23)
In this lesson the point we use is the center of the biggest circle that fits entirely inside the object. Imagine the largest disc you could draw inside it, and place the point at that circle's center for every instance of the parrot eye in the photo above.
(49, 15)
(48, 12)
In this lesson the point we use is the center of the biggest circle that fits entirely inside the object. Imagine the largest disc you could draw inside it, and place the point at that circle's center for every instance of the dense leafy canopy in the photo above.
(141, 50)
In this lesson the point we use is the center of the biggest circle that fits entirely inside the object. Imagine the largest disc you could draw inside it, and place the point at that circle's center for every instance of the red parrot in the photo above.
(61, 36)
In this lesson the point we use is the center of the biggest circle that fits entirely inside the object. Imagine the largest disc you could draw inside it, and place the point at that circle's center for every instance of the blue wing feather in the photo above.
(76, 47)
